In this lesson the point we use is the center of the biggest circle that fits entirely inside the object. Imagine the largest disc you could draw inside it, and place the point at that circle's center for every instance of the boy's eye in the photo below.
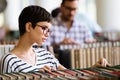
(44, 28)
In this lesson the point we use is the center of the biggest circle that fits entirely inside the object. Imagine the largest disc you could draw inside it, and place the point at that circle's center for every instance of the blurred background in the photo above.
(105, 12)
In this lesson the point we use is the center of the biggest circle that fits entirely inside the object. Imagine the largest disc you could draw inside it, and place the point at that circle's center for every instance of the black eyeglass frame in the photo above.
(45, 29)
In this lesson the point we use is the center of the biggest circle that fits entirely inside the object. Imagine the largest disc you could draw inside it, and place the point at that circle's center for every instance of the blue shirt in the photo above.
(92, 25)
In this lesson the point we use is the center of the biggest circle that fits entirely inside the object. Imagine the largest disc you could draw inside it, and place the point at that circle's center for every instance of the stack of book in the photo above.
(96, 73)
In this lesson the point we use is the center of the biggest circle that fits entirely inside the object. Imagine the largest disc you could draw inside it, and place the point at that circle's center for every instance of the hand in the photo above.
(46, 69)
(90, 41)
(68, 41)
(61, 67)
(102, 62)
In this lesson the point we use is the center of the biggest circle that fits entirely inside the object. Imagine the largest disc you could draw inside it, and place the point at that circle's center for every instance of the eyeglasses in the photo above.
(45, 29)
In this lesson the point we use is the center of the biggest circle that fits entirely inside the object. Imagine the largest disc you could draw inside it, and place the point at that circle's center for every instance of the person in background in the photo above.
(2, 34)
(84, 18)
(3, 5)
(66, 28)
(34, 27)
(95, 28)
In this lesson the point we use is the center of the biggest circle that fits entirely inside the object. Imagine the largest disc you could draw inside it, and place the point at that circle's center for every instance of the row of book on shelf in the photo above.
(86, 55)
(93, 73)
(5, 48)
(90, 45)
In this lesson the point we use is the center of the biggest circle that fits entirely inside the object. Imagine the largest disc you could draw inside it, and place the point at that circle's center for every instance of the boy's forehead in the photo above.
(45, 23)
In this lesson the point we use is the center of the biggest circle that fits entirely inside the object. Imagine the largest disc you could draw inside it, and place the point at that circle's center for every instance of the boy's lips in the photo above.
(44, 39)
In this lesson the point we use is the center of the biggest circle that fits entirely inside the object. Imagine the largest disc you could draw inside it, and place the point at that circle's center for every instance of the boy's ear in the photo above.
(28, 26)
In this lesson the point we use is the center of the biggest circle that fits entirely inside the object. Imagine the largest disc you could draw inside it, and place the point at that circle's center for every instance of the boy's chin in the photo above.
(38, 44)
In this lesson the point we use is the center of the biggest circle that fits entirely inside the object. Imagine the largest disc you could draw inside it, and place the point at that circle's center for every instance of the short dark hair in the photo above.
(63, 1)
(32, 14)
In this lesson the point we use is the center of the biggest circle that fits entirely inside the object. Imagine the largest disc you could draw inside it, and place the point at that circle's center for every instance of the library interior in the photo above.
(83, 38)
